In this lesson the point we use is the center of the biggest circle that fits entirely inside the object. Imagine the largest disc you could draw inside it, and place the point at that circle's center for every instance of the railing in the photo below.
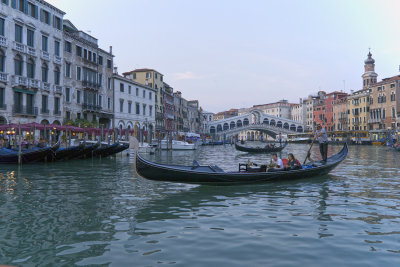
(45, 55)
(3, 41)
(20, 81)
(3, 106)
(23, 110)
(91, 107)
(31, 51)
(19, 47)
(90, 85)
(3, 77)
(45, 86)
(57, 60)
(44, 111)
(34, 83)
(57, 89)
(375, 120)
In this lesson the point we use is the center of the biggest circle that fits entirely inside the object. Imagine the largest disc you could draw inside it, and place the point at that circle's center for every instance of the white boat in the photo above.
(178, 145)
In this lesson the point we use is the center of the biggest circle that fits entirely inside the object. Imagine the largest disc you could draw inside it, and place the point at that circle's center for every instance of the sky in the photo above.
(235, 54)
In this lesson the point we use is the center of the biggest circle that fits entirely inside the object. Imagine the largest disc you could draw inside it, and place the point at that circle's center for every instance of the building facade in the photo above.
(340, 115)
(134, 105)
(169, 120)
(88, 72)
(358, 110)
(323, 111)
(194, 116)
(31, 56)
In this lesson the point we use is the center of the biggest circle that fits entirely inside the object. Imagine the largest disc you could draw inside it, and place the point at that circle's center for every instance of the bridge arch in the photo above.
(232, 125)
(272, 123)
(286, 125)
(279, 124)
(246, 122)
(266, 121)
(212, 129)
(219, 128)
(226, 126)
(239, 123)
(293, 127)
(300, 129)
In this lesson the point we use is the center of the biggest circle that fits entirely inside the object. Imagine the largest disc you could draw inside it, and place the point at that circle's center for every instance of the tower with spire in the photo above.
(369, 76)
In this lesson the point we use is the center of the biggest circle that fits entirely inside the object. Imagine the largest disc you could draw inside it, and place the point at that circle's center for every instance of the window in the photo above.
(109, 103)
(121, 105)
(78, 116)
(144, 94)
(78, 73)
(134, 76)
(121, 87)
(21, 5)
(2, 61)
(129, 89)
(137, 108)
(129, 107)
(100, 60)
(45, 73)
(109, 63)
(30, 38)
(393, 113)
(57, 75)
(18, 65)
(150, 95)
(68, 47)
(148, 75)
(85, 53)
(144, 109)
(67, 94)
(100, 79)
(68, 70)
(57, 48)
(2, 26)
(30, 68)
(68, 115)
(94, 57)
(150, 110)
(137, 91)
(45, 16)
(57, 23)
(45, 104)
(79, 51)
(18, 33)
(109, 83)
(78, 97)
(32, 10)
(56, 105)
(100, 101)
(90, 56)
(45, 46)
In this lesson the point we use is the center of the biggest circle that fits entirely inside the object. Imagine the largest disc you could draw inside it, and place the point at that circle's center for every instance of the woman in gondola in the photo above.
(292, 163)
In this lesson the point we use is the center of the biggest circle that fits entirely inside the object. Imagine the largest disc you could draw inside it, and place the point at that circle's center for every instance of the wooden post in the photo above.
(20, 143)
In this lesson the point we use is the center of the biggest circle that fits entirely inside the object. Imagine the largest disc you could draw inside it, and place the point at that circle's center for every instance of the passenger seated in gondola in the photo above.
(292, 163)
(276, 164)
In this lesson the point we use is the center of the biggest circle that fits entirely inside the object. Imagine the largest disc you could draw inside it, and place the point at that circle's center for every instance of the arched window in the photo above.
(57, 76)
(45, 73)
(18, 65)
(2, 61)
(30, 68)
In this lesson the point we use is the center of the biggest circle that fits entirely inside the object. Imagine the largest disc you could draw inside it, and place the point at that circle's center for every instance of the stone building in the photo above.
(169, 121)
(358, 110)
(31, 56)
(278, 109)
(323, 111)
(134, 105)
(194, 116)
(298, 112)
(226, 114)
(340, 116)
(88, 71)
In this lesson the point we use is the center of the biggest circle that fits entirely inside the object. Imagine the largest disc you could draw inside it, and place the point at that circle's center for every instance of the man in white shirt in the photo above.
(277, 164)
(322, 137)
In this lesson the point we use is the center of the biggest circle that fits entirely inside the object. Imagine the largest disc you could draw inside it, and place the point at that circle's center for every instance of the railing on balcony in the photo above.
(57, 60)
(91, 107)
(3, 41)
(34, 83)
(31, 51)
(3, 106)
(19, 47)
(90, 85)
(24, 110)
(3, 77)
(45, 86)
(20, 81)
(44, 111)
(45, 55)
(57, 89)
(376, 120)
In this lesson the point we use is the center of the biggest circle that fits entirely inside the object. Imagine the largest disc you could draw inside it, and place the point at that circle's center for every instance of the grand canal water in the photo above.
(99, 213)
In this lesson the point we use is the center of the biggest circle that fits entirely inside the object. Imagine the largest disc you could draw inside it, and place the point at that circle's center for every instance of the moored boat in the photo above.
(213, 175)
(266, 149)
(177, 145)
(10, 156)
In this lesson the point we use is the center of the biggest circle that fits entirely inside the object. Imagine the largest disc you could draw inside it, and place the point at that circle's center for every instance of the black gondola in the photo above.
(69, 153)
(105, 150)
(260, 149)
(10, 156)
(214, 175)
(88, 151)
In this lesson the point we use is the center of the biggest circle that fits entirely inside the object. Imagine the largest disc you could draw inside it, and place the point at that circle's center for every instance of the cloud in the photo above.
(188, 75)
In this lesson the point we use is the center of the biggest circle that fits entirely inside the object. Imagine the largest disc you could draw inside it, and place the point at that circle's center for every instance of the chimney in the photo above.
(116, 70)
(111, 49)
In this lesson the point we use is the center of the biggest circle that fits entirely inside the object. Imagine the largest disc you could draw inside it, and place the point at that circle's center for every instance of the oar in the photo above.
(309, 152)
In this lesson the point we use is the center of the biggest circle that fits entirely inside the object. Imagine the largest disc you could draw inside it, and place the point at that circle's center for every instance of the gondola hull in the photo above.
(68, 153)
(27, 156)
(259, 150)
(212, 175)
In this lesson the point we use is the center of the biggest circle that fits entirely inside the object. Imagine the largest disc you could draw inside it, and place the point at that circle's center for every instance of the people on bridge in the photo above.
(276, 164)
(322, 137)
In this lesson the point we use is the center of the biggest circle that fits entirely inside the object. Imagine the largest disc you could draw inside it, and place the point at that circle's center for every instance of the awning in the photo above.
(20, 90)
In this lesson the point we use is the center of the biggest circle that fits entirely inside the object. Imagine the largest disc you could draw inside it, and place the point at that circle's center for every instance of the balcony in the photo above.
(58, 89)
(34, 83)
(57, 60)
(170, 116)
(19, 47)
(20, 81)
(23, 110)
(375, 120)
(45, 86)
(31, 51)
(90, 107)
(3, 106)
(159, 116)
(90, 85)
(3, 41)
(45, 55)
(3, 77)
(44, 111)
(57, 112)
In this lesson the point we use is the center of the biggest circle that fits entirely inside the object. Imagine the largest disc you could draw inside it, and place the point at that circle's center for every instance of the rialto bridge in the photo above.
(255, 120)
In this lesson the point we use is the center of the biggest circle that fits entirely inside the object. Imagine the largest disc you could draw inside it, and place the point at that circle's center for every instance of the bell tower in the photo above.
(369, 76)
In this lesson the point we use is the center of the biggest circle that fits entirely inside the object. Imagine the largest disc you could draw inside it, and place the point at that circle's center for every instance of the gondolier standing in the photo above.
(322, 137)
